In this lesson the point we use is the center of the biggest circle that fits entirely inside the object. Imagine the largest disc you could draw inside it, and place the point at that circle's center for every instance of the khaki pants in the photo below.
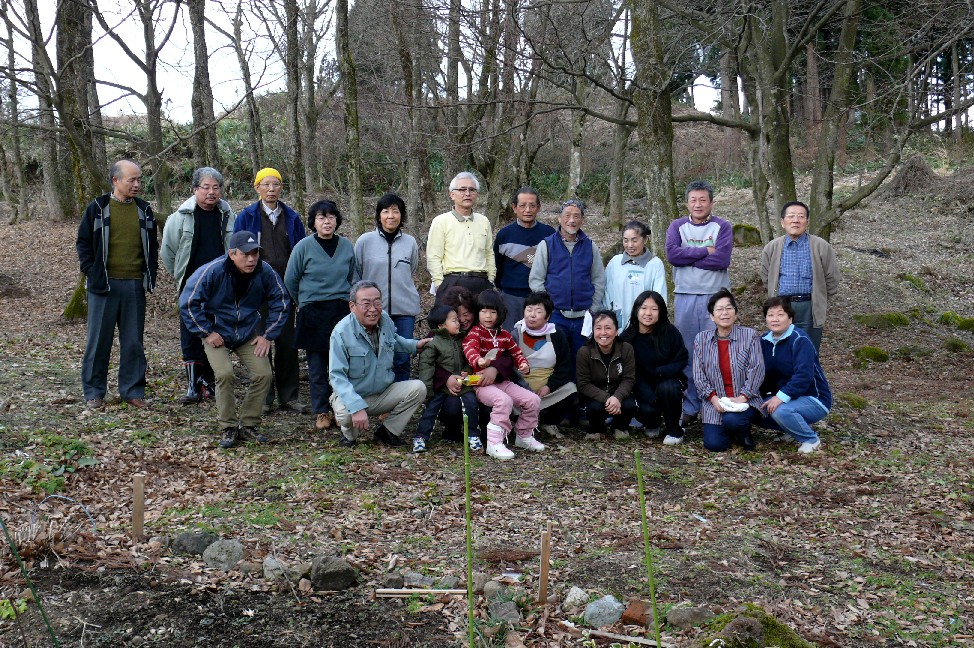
(260, 383)
(400, 400)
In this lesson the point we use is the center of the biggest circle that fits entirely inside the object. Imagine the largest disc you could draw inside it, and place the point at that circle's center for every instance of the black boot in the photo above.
(192, 394)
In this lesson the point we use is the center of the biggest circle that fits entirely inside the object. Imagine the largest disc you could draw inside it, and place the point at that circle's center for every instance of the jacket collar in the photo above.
(769, 336)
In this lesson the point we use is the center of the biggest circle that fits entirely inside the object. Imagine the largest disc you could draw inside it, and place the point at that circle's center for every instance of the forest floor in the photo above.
(869, 542)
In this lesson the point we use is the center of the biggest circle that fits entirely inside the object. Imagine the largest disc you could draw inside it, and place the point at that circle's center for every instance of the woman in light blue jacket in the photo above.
(389, 257)
(633, 272)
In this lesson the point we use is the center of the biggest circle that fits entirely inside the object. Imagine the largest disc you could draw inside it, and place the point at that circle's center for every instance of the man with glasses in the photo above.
(278, 229)
(568, 266)
(699, 248)
(221, 305)
(459, 246)
(194, 235)
(803, 268)
(361, 354)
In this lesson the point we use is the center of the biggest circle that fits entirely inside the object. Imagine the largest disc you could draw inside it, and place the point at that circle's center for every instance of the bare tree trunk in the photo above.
(61, 201)
(813, 94)
(255, 134)
(822, 213)
(958, 83)
(403, 26)
(205, 151)
(575, 153)
(312, 166)
(655, 126)
(346, 68)
(617, 171)
(730, 108)
(451, 163)
(756, 165)
(292, 68)
(73, 51)
(18, 197)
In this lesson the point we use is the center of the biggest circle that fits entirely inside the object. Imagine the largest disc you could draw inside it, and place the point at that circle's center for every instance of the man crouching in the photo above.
(221, 304)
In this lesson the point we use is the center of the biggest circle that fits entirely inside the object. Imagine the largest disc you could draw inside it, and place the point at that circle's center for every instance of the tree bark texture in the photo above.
(655, 127)
(292, 68)
(205, 150)
(346, 69)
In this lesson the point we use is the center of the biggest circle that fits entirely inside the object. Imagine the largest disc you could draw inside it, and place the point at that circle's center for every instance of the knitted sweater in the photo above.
(313, 276)
(480, 340)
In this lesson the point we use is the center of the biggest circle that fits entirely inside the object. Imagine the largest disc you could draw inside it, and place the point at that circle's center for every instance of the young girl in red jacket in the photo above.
(488, 345)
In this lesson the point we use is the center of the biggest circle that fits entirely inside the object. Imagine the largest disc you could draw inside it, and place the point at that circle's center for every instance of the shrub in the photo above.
(957, 345)
(913, 280)
(871, 354)
(883, 320)
(855, 401)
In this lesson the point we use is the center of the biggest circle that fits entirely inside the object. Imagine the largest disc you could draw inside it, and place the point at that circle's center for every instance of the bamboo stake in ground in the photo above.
(647, 548)
(545, 559)
(466, 481)
(138, 505)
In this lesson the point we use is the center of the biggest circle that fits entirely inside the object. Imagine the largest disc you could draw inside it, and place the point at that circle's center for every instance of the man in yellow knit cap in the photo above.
(278, 229)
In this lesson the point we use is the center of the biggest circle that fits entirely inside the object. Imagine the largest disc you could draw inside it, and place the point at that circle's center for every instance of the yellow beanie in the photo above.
(265, 173)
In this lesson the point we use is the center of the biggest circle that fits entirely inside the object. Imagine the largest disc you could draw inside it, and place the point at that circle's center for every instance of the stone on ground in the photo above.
(273, 569)
(193, 543)
(505, 611)
(330, 573)
(576, 598)
(688, 616)
(223, 554)
(604, 612)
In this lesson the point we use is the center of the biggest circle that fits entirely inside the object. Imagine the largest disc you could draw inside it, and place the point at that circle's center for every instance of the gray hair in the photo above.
(699, 185)
(116, 170)
(461, 176)
(361, 285)
(207, 172)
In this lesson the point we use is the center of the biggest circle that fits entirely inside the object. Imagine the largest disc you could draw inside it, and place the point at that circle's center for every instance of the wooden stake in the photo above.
(406, 592)
(545, 559)
(138, 505)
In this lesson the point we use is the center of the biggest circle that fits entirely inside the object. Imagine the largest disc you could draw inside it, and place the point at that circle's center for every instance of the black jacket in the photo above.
(658, 358)
(92, 243)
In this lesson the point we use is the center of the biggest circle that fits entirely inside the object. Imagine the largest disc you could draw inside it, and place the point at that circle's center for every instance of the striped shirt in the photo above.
(747, 369)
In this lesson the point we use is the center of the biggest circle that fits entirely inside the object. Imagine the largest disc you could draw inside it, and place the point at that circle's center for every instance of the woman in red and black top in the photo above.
(727, 363)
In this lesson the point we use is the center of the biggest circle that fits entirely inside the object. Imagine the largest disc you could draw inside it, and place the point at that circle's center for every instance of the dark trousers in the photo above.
(318, 381)
(451, 416)
(732, 428)
(596, 414)
(572, 328)
(435, 405)
(123, 306)
(284, 360)
(401, 362)
(664, 401)
(192, 348)
(555, 414)
(476, 285)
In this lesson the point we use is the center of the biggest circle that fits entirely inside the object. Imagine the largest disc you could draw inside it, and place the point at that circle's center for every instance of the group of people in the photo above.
(528, 329)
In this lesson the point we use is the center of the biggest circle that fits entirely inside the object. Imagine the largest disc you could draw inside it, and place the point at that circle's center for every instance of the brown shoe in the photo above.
(95, 403)
(323, 421)
(137, 403)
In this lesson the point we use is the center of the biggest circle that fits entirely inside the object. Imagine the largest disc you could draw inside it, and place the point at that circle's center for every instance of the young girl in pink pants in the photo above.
(486, 345)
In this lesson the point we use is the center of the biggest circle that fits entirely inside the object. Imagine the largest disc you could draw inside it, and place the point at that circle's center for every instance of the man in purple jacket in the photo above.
(699, 248)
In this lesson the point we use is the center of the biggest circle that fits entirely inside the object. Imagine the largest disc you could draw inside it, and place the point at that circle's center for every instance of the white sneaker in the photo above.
(672, 440)
(529, 443)
(652, 433)
(808, 448)
(499, 451)
(552, 431)
(620, 435)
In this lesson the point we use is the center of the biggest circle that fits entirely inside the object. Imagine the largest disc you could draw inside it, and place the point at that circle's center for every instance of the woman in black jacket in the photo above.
(606, 373)
(661, 358)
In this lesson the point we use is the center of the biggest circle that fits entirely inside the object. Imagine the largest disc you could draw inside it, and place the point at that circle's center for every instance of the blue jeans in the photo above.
(690, 315)
(123, 306)
(572, 327)
(803, 320)
(405, 326)
(795, 417)
(731, 429)
(435, 404)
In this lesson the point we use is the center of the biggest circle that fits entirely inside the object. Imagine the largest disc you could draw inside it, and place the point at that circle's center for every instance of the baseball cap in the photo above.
(244, 241)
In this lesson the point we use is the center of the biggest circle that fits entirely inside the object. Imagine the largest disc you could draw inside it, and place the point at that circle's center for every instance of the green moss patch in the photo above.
(751, 627)
(871, 354)
(912, 352)
(855, 401)
(883, 320)
(913, 280)
(957, 345)
(950, 318)
(746, 235)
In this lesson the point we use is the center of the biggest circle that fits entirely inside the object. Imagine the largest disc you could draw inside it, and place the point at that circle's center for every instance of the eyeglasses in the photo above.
(725, 309)
(326, 217)
(466, 190)
(270, 185)
(369, 304)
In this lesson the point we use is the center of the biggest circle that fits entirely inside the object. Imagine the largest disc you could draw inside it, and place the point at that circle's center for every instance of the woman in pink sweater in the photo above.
(488, 345)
